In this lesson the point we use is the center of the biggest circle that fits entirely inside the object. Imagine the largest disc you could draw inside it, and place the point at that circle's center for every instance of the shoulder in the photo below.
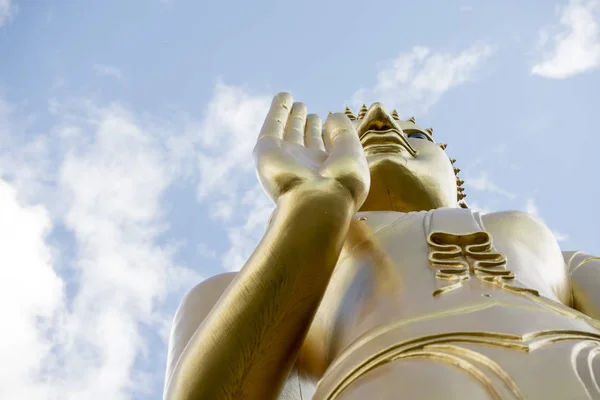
(512, 217)
(192, 310)
(206, 293)
(533, 249)
(520, 230)
(520, 225)
(198, 303)
(220, 281)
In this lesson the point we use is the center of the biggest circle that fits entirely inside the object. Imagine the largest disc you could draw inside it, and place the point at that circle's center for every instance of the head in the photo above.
(409, 170)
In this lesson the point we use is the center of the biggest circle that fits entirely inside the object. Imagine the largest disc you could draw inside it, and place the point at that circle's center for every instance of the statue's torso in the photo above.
(424, 296)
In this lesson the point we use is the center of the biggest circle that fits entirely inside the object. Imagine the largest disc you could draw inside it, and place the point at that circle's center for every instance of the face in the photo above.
(409, 171)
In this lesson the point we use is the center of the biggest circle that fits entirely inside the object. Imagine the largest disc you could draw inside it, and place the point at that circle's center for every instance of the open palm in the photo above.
(294, 148)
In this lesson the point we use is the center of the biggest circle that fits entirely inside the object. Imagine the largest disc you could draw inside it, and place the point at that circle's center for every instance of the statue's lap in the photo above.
(547, 373)
(543, 354)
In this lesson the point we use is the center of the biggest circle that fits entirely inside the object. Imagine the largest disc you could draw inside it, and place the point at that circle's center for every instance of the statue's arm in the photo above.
(192, 310)
(585, 281)
(248, 342)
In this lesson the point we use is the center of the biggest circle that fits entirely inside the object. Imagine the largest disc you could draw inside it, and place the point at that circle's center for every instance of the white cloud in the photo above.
(244, 236)
(560, 237)
(113, 185)
(101, 174)
(416, 80)
(108, 71)
(205, 251)
(58, 83)
(227, 180)
(24, 162)
(484, 183)
(110, 171)
(7, 10)
(531, 208)
(223, 209)
(31, 293)
(227, 136)
(574, 46)
(481, 209)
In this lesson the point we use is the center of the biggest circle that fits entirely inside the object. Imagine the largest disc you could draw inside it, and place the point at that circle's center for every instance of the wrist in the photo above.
(325, 202)
(326, 196)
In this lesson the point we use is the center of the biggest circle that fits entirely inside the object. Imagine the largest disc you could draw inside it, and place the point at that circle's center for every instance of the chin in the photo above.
(405, 184)
(386, 160)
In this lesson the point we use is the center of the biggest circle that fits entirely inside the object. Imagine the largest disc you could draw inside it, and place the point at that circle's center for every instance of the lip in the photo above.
(388, 140)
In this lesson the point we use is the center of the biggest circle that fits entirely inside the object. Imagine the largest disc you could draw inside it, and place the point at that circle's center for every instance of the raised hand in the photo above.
(294, 149)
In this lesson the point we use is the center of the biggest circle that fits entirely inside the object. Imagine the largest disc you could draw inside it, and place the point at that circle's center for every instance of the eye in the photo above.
(417, 135)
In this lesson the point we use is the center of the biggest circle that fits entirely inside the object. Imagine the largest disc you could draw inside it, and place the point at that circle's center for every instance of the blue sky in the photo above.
(126, 131)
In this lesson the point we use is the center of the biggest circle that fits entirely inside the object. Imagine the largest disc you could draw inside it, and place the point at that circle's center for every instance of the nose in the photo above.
(377, 119)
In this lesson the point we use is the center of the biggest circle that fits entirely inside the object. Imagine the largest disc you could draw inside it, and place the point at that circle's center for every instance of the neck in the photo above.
(397, 188)
(416, 199)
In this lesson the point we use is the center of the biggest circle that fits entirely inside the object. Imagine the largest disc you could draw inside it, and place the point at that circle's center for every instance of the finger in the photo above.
(294, 130)
(334, 124)
(346, 160)
(326, 138)
(277, 117)
(339, 127)
(313, 136)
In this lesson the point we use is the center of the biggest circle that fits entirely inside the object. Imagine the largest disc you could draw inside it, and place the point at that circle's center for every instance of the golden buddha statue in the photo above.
(374, 280)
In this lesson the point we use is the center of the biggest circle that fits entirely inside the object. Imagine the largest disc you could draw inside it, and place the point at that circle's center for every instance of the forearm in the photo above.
(248, 343)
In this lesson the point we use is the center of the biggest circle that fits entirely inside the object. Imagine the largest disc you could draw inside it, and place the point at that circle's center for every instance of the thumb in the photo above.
(337, 125)
(346, 161)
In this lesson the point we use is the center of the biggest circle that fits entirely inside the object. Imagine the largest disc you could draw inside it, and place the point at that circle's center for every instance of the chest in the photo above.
(414, 252)
(398, 267)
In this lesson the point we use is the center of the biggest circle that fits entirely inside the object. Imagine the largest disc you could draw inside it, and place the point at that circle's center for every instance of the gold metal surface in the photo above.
(375, 281)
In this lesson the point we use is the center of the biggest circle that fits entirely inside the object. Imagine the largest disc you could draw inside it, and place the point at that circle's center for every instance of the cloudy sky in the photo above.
(126, 130)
